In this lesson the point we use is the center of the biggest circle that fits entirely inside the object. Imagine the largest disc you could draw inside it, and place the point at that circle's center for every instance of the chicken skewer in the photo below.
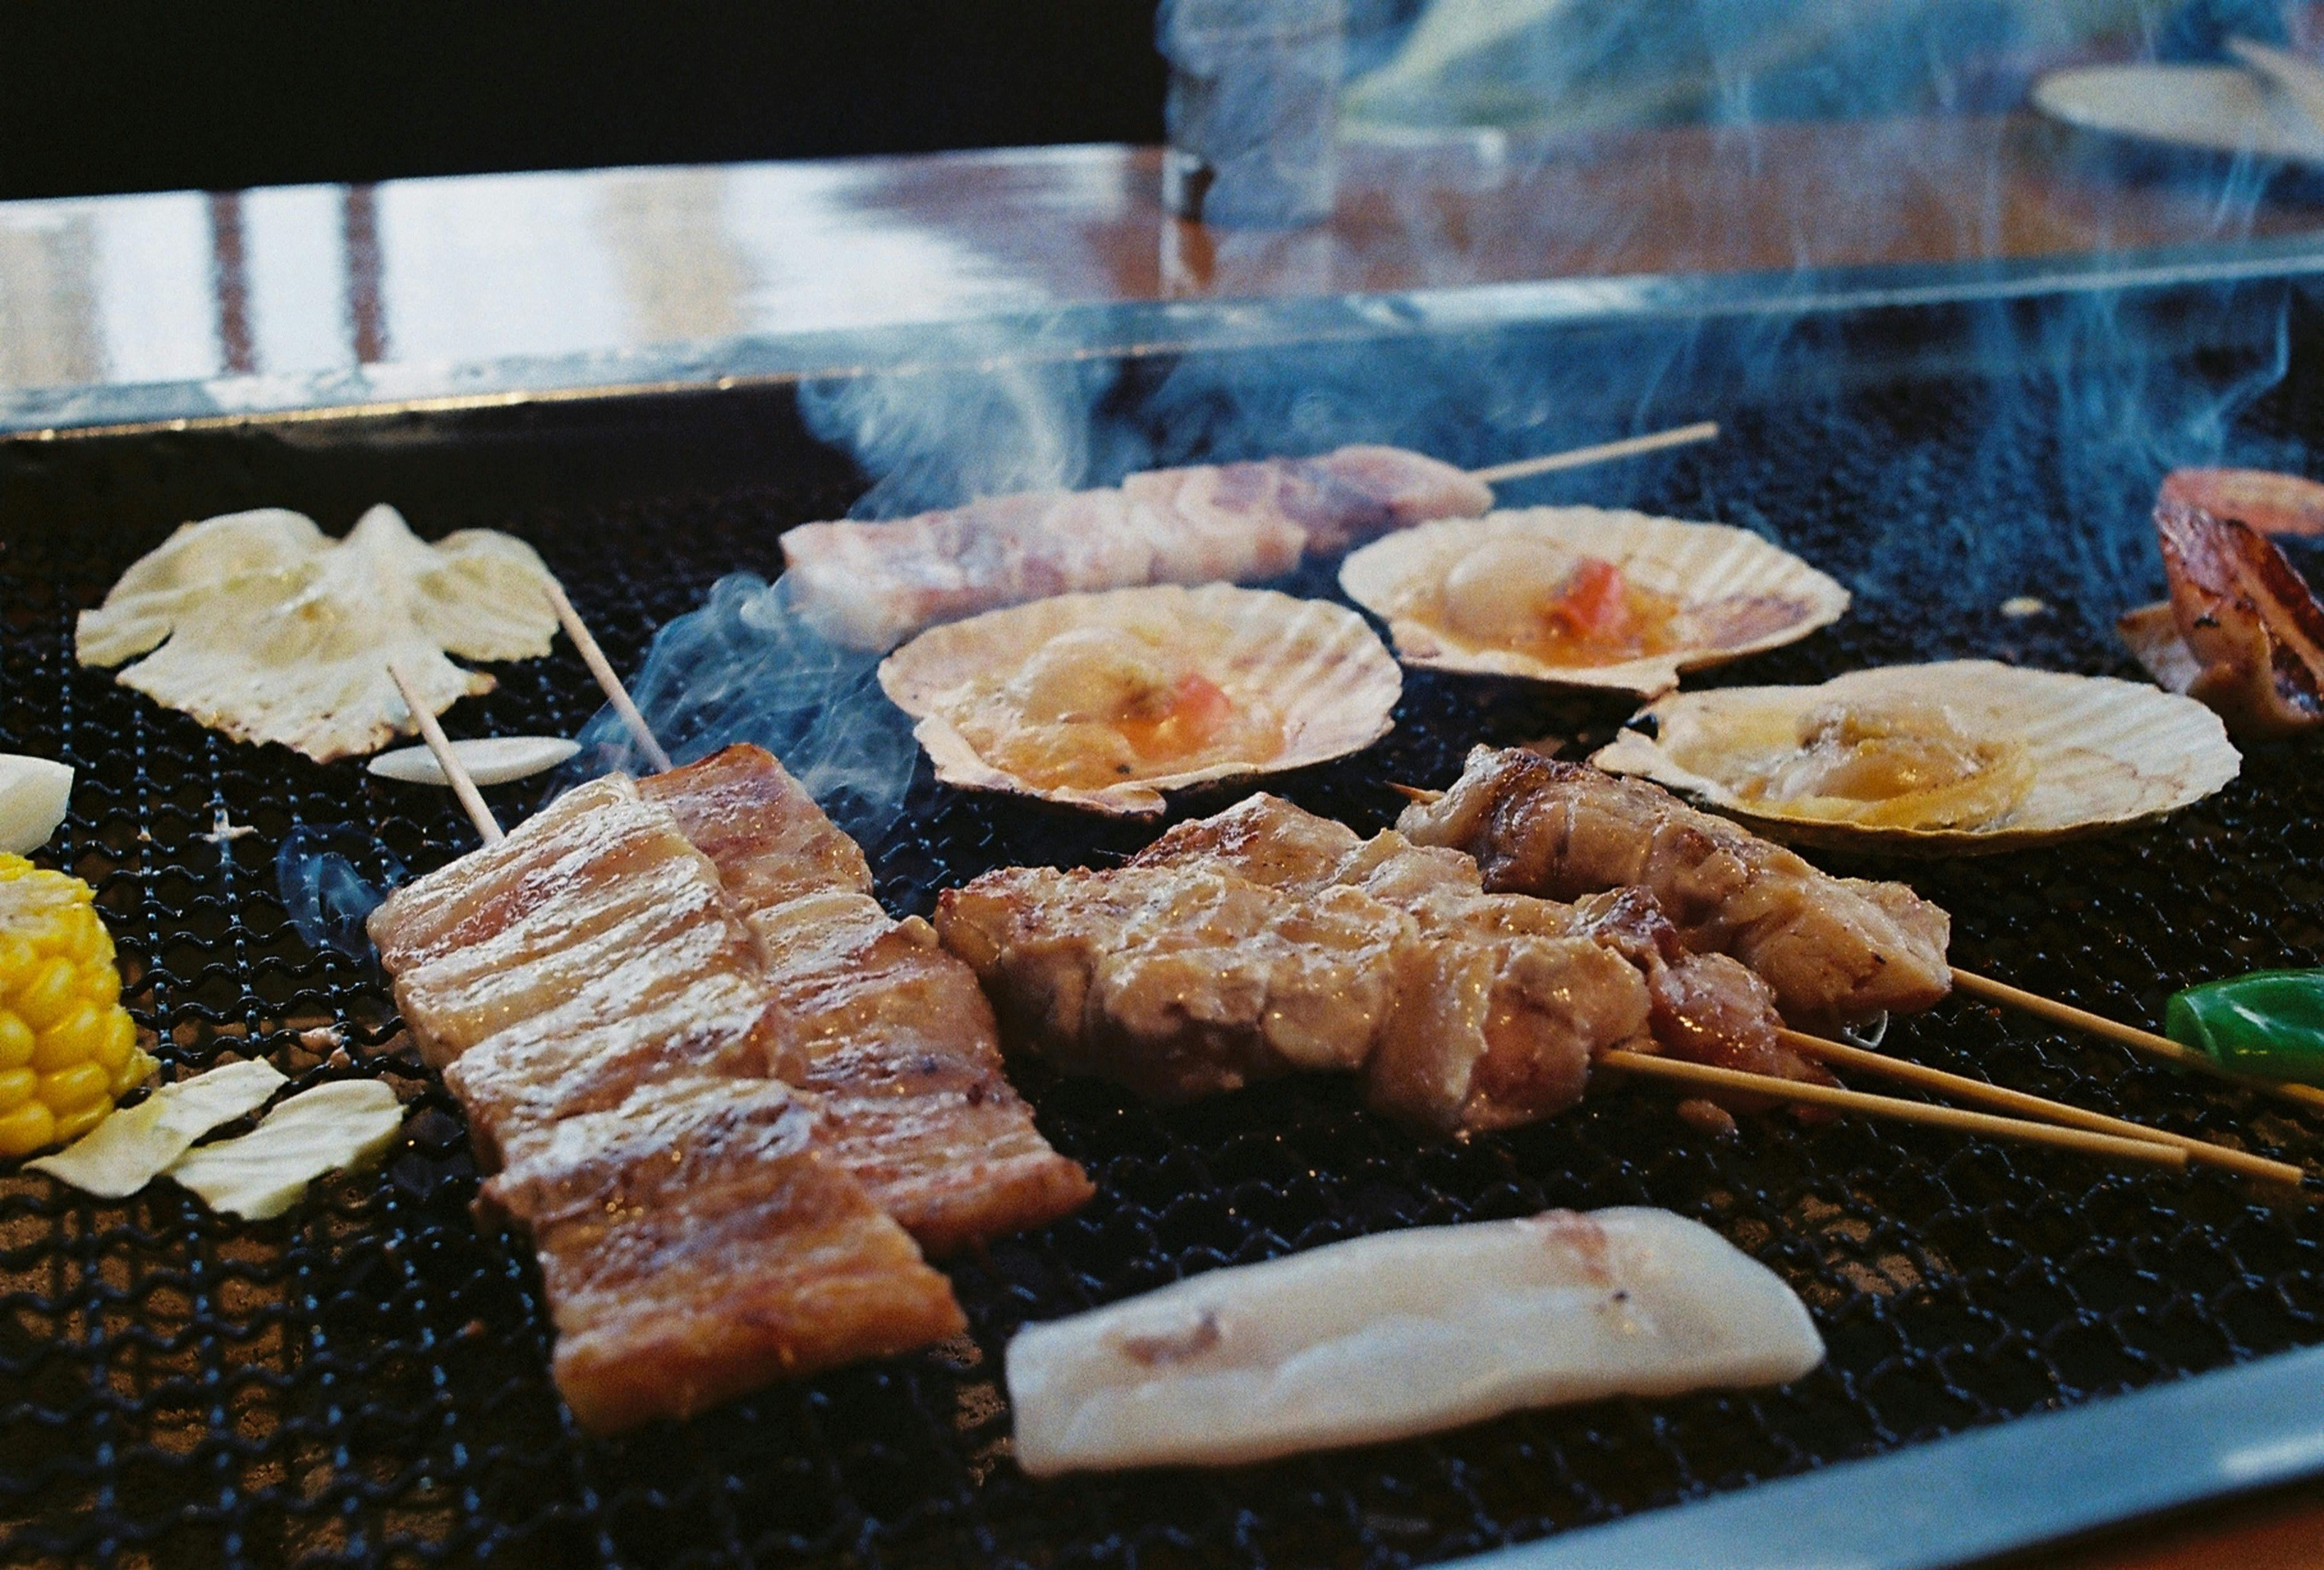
(871, 584)
(1266, 940)
(1837, 948)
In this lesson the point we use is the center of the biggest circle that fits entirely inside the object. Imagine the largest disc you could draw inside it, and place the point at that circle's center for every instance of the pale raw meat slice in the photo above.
(1402, 1333)
(869, 586)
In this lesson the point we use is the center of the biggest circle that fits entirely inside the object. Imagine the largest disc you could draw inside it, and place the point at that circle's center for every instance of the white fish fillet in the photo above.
(129, 1148)
(1402, 1334)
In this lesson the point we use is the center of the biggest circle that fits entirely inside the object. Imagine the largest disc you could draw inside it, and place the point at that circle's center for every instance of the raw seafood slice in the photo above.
(1961, 756)
(1585, 598)
(891, 1032)
(2249, 631)
(697, 1240)
(276, 632)
(1104, 701)
(1402, 1333)
(1834, 949)
(871, 585)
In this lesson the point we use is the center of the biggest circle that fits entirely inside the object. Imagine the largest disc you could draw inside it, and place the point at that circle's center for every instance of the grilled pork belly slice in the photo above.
(1834, 949)
(697, 1240)
(610, 1024)
(594, 836)
(869, 586)
(891, 1032)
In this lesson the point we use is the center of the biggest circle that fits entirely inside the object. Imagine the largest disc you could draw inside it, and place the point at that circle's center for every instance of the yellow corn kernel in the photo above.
(72, 1125)
(117, 1041)
(66, 1047)
(69, 1089)
(48, 994)
(27, 1128)
(16, 1041)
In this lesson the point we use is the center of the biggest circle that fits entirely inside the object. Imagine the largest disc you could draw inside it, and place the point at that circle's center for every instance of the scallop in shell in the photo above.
(1963, 756)
(1106, 701)
(1585, 598)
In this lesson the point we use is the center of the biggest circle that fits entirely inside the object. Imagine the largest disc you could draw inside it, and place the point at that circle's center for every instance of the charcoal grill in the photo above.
(365, 1380)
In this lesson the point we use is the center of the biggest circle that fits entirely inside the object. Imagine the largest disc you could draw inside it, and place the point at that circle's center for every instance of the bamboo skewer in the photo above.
(472, 801)
(1604, 452)
(599, 667)
(2147, 1041)
(2146, 1152)
(1961, 1087)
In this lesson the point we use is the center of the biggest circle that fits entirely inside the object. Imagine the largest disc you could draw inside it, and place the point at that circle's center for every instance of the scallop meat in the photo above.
(1958, 757)
(1104, 701)
(1585, 598)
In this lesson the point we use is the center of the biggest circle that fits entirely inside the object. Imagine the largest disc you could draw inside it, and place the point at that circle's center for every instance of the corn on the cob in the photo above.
(68, 1049)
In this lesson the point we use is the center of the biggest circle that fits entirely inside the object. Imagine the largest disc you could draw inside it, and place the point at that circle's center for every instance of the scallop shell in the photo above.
(1315, 665)
(1765, 595)
(2100, 754)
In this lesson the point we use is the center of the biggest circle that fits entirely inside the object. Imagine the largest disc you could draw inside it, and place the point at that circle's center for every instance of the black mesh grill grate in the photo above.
(364, 1380)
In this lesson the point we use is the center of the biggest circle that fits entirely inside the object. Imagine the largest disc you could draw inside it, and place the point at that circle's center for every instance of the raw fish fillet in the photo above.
(1402, 1333)
(892, 1033)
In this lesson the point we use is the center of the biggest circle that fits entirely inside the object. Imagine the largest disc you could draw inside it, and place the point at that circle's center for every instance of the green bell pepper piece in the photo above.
(2269, 1023)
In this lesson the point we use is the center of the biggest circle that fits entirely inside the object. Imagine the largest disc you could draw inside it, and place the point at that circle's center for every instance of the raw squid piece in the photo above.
(1402, 1334)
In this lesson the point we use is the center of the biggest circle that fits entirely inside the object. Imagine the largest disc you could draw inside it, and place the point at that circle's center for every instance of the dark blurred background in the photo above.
(141, 95)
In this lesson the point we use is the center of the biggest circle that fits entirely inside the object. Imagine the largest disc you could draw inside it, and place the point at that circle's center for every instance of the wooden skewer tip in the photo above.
(1603, 452)
(608, 681)
(464, 785)
(2175, 1053)
(2146, 1152)
(2025, 1105)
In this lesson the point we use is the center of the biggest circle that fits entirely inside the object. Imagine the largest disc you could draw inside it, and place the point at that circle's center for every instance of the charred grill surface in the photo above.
(366, 1380)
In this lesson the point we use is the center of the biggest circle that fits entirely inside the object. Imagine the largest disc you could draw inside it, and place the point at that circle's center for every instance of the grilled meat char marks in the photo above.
(1833, 949)
(891, 1032)
(695, 1234)
(1265, 941)
(699, 1240)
